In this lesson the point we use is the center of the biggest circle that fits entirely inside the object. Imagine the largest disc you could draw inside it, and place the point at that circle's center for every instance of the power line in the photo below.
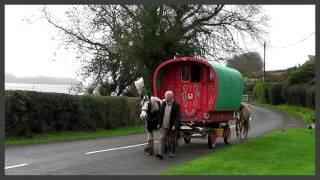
(293, 44)
(264, 61)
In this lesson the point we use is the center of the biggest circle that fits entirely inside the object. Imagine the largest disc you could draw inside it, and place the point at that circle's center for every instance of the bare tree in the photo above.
(249, 64)
(120, 43)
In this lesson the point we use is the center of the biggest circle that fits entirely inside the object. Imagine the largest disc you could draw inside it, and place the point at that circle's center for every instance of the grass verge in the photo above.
(288, 152)
(72, 136)
(307, 115)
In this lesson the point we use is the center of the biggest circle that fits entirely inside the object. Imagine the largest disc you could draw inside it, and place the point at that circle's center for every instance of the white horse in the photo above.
(150, 113)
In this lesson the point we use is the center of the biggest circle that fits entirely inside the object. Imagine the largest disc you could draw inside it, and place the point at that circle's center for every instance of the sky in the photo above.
(31, 46)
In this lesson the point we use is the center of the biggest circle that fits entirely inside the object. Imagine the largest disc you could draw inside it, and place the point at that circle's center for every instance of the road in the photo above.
(124, 155)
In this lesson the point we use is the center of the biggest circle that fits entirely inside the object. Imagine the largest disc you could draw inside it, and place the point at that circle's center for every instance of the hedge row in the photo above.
(311, 96)
(299, 86)
(261, 92)
(275, 93)
(28, 113)
(275, 96)
(300, 94)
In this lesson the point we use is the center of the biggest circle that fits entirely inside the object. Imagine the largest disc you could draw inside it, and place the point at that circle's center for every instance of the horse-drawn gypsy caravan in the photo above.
(208, 95)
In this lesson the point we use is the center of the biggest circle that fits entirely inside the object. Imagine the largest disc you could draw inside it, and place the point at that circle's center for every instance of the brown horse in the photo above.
(242, 117)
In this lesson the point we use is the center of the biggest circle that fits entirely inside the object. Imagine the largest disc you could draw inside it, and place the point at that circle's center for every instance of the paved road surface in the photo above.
(123, 155)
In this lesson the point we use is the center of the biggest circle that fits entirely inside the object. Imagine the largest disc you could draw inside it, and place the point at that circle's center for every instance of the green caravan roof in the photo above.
(230, 88)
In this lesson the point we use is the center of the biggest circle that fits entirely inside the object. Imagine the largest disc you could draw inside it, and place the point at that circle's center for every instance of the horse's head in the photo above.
(145, 106)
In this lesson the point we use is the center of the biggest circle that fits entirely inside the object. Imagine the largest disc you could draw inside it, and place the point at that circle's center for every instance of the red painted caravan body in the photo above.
(194, 83)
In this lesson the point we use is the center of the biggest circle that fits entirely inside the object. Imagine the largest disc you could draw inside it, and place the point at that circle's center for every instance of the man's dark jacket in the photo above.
(174, 115)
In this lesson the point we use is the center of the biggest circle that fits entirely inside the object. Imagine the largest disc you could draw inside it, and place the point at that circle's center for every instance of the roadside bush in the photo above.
(28, 113)
(118, 111)
(249, 85)
(134, 108)
(261, 92)
(275, 96)
(299, 86)
(302, 74)
(16, 121)
(295, 94)
(311, 96)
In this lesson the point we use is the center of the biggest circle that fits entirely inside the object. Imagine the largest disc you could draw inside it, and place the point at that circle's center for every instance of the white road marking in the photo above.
(113, 149)
(19, 165)
(126, 147)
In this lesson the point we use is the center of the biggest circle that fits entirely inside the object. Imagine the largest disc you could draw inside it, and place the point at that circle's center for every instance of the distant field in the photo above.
(39, 87)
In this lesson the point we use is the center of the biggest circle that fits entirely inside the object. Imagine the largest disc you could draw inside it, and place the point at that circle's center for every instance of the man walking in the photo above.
(169, 124)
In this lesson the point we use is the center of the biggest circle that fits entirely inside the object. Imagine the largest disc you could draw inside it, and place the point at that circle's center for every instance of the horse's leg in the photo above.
(172, 143)
(247, 132)
(247, 128)
(244, 127)
(150, 143)
(149, 149)
(241, 128)
(237, 129)
(147, 130)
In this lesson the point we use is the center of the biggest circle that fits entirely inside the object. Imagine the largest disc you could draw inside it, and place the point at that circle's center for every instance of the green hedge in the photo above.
(311, 96)
(275, 96)
(295, 94)
(249, 85)
(28, 113)
(261, 92)
(299, 85)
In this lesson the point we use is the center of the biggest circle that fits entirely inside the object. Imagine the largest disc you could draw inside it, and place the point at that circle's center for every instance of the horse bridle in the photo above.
(148, 110)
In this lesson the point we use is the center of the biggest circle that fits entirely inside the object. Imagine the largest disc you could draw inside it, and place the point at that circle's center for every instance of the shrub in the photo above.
(16, 115)
(249, 85)
(295, 94)
(303, 74)
(275, 96)
(134, 108)
(311, 96)
(261, 92)
(28, 113)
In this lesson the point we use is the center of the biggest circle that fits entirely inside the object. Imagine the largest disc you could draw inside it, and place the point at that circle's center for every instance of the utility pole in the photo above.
(264, 61)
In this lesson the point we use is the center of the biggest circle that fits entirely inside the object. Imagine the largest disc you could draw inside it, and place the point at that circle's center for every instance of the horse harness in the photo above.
(151, 116)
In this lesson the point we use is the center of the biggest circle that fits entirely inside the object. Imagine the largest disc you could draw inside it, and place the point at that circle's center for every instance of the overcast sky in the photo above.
(31, 49)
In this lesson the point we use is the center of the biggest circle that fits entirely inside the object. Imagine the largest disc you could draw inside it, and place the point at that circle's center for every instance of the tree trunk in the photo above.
(148, 81)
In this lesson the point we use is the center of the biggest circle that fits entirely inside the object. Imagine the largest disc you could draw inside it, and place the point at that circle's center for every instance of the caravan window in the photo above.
(185, 73)
(195, 73)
